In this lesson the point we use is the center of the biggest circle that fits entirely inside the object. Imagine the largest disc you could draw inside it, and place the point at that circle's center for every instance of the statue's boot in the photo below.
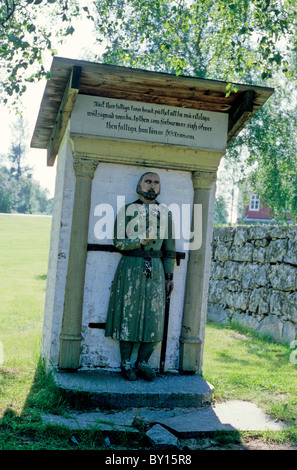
(145, 370)
(144, 353)
(127, 372)
(126, 350)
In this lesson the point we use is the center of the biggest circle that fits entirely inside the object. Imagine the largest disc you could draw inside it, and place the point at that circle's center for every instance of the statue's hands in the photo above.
(169, 287)
(152, 234)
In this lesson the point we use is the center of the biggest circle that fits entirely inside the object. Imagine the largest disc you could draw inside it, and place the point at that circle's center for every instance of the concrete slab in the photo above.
(100, 421)
(161, 438)
(246, 416)
(189, 423)
(182, 423)
(229, 416)
(108, 390)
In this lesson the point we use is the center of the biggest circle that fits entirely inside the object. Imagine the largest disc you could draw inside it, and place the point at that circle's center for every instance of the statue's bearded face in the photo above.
(149, 186)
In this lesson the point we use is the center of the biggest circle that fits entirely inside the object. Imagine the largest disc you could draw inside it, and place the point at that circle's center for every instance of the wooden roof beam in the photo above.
(64, 114)
(240, 113)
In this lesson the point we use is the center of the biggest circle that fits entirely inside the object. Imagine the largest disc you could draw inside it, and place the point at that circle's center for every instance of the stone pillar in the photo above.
(70, 337)
(196, 290)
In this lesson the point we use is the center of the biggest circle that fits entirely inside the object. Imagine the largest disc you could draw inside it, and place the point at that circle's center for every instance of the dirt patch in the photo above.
(251, 444)
(259, 445)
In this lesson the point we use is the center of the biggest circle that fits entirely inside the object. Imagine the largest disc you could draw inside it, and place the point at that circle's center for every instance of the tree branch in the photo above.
(10, 9)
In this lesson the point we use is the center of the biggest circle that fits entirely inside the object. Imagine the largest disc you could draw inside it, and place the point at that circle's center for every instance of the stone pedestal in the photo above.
(108, 390)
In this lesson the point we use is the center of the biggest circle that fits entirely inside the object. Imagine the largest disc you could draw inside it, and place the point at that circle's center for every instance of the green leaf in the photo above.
(69, 30)
(243, 30)
(30, 28)
(278, 58)
(231, 88)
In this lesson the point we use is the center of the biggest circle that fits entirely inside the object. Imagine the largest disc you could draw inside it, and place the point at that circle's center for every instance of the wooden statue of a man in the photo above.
(144, 235)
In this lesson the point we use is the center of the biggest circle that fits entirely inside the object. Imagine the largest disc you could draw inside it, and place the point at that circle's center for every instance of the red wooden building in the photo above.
(256, 211)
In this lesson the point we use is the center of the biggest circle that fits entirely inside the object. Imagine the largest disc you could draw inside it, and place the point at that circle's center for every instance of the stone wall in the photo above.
(253, 279)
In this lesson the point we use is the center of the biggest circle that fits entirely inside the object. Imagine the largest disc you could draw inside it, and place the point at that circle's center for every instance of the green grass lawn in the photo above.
(239, 364)
(24, 246)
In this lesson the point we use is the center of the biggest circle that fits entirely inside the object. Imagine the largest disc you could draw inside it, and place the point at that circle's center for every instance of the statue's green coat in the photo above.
(137, 302)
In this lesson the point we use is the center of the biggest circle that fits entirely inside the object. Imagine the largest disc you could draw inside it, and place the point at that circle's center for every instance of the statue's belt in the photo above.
(149, 254)
(144, 253)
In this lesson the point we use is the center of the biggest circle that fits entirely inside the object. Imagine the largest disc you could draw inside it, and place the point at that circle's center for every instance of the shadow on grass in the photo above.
(27, 431)
(24, 430)
(41, 277)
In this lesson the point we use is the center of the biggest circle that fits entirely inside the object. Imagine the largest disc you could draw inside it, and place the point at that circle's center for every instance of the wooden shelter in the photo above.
(93, 148)
(70, 77)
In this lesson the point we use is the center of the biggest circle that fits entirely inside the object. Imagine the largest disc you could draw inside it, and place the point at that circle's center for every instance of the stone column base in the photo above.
(190, 354)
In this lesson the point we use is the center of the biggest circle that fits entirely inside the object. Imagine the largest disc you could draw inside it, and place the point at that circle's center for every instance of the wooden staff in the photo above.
(165, 334)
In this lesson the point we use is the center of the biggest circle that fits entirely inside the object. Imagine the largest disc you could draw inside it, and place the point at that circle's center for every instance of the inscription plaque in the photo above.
(108, 117)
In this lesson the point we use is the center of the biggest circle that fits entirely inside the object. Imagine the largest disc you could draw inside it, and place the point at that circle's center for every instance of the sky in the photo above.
(73, 48)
